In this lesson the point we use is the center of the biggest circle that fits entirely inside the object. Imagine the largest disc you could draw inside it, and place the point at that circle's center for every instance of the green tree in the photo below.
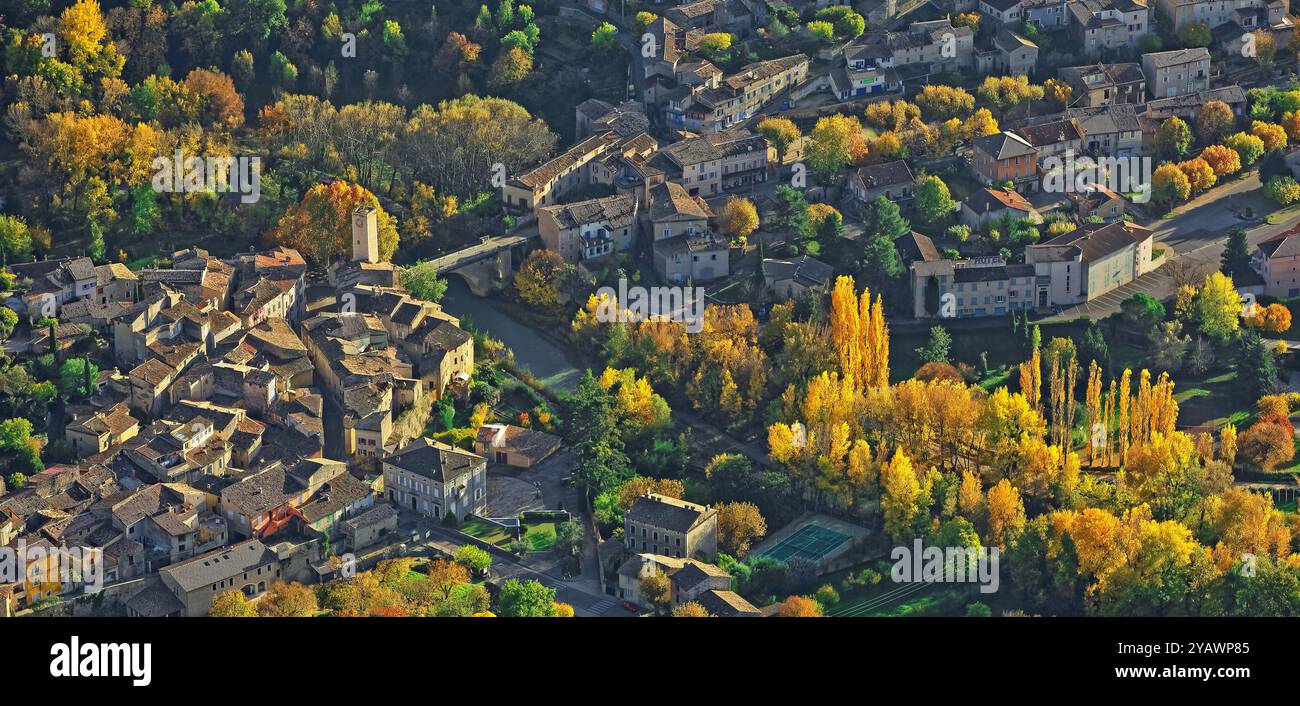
(77, 376)
(933, 198)
(568, 537)
(283, 72)
(1256, 365)
(254, 19)
(1143, 311)
(882, 217)
(15, 239)
(602, 39)
(1236, 255)
(96, 249)
(591, 428)
(423, 282)
(1217, 308)
(938, 349)
(473, 558)
(823, 31)
(526, 599)
(8, 320)
(1173, 138)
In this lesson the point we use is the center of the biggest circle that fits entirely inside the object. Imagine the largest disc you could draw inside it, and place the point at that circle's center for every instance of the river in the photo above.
(547, 361)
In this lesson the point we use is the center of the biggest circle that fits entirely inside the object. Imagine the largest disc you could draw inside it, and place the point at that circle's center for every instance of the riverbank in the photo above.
(544, 353)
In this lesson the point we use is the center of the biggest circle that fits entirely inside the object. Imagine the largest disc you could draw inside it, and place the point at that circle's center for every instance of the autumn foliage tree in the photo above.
(799, 607)
(1274, 318)
(1169, 185)
(1268, 443)
(1223, 160)
(232, 604)
(540, 280)
(1173, 138)
(738, 219)
(1213, 121)
(1273, 136)
(219, 103)
(288, 600)
(739, 524)
(860, 333)
(943, 102)
(320, 226)
(835, 142)
(780, 133)
(1200, 175)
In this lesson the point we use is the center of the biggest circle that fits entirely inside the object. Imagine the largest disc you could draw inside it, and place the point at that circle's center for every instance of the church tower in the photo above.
(365, 235)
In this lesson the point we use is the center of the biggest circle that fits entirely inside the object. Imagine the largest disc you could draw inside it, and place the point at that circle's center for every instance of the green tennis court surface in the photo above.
(809, 542)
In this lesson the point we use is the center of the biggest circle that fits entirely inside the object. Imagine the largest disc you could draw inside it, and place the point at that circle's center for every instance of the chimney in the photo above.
(365, 235)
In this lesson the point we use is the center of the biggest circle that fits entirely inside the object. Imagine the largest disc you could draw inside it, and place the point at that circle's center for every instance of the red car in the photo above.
(631, 607)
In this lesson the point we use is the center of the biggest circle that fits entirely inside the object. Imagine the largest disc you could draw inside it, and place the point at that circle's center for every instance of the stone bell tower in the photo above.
(365, 235)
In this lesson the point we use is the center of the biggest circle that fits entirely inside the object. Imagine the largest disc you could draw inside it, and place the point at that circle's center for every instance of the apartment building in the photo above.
(1277, 260)
(685, 248)
(435, 480)
(989, 205)
(1006, 158)
(1045, 14)
(985, 286)
(936, 44)
(250, 567)
(1101, 25)
(721, 102)
(1112, 130)
(1088, 262)
(589, 229)
(893, 180)
(53, 283)
(1054, 139)
(1005, 12)
(581, 165)
(859, 75)
(97, 432)
(1098, 85)
(1250, 14)
(1176, 73)
(711, 164)
(1011, 54)
(658, 524)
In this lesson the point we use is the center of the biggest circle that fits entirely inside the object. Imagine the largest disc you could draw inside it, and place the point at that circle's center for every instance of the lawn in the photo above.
(969, 340)
(1210, 401)
(998, 377)
(538, 534)
(486, 531)
(1282, 215)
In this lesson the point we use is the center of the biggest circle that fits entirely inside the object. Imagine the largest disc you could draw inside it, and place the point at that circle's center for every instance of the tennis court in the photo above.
(810, 542)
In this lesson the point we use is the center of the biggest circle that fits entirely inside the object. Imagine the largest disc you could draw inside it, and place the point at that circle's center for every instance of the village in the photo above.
(728, 325)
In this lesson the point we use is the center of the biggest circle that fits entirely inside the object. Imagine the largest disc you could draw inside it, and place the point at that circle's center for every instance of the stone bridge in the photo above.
(487, 266)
